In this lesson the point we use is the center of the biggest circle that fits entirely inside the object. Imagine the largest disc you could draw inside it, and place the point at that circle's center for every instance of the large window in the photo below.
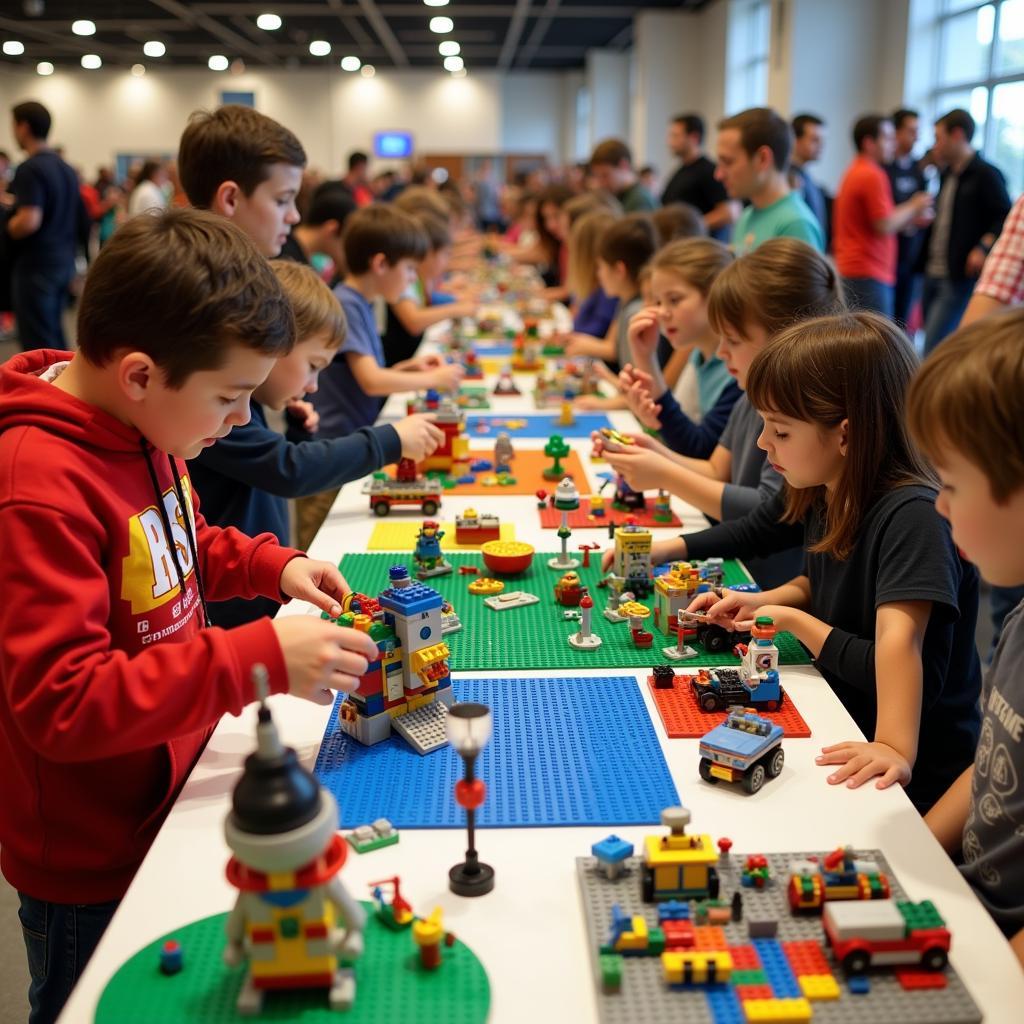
(981, 68)
(748, 46)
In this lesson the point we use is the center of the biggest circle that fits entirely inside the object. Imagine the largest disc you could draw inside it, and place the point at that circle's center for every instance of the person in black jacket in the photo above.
(969, 214)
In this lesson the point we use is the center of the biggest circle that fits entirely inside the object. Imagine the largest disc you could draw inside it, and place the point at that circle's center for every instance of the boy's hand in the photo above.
(640, 467)
(862, 761)
(304, 414)
(419, 436)
(643, 407)
(319, 583)
(447, 377)
(643, 335)
(423, 364)
(671, 550)
(320, 656)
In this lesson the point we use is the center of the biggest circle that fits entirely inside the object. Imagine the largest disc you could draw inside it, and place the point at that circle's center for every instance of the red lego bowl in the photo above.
(507, 557)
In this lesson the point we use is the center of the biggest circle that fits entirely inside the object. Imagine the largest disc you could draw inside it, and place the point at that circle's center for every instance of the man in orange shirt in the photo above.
(866, 221)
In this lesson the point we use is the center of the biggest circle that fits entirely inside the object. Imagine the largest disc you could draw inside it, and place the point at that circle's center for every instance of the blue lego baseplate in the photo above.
(535, 425)
(554, 759)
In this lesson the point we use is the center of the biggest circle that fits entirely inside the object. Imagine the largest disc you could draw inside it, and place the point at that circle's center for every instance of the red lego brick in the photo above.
(806, 957)
(678, 934)
(745, 992)
(684, 720)
(581, 519)
(744, 958)
(911, 979)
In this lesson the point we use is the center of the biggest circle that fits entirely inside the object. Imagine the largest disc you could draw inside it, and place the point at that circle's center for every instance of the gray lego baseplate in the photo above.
(424, 728)
(645, 997)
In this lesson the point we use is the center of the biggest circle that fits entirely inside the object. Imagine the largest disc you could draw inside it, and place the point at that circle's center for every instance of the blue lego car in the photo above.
(744, 748)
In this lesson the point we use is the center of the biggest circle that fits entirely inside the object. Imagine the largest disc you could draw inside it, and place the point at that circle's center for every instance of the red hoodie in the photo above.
(110, 682)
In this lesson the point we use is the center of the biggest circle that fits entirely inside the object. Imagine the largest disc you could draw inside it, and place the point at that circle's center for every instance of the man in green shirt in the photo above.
(611, 165)
(753, 159)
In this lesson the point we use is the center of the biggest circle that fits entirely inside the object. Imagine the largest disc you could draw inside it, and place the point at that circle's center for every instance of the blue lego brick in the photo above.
(410, 600)
(724, 1004)
(740, 743)
(612, 849)
(547, 763)
(777, 970)
(535, 425)
(858, 984)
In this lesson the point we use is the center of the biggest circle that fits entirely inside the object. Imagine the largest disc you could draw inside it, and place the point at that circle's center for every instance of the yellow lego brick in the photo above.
(418, 702)
(819, 986)
(675, 962)
(426, 656)
(687, 849)
(776, 1011)
(401, 536)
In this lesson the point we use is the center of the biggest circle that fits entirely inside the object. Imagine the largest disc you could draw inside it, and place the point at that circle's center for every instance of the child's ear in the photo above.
(137, 375)
(379, 263)
(226, 198)
(620, 268)
(844, 437)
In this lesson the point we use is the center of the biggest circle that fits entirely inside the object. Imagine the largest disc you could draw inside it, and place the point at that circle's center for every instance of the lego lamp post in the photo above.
(567, 499)
(469, 731)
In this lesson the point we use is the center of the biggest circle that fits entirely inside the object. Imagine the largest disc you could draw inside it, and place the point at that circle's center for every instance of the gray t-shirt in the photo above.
(623, 353)
(938, 247)
(993, 842)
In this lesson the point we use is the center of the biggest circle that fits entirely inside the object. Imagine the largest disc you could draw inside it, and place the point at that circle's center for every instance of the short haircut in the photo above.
(677, 220)
(867, 127)
(183, 287)
(801, 121)
(330, 201)
(969, 396)
(35, 115)
(382, 229)
(437, 230)
(780, 282)
(693, 124)
(958, 118)
(761, 126)
(901, 116)
(315, 307)
(611, 152)
(357, 159)
(697, 261)
(631, 241)
(420, 199)
(232, 143)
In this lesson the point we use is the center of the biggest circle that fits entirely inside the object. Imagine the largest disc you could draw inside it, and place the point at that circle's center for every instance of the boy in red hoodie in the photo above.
(111, 679)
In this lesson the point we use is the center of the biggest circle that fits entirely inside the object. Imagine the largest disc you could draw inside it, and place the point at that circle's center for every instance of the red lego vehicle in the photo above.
(887, 932)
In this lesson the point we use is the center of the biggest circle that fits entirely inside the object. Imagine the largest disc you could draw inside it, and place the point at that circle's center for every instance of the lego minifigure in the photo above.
(429, 559)
(569, 591)
(504, 453)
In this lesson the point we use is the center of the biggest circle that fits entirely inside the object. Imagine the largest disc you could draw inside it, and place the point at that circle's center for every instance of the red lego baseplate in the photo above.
(581, 519)
(684, 720)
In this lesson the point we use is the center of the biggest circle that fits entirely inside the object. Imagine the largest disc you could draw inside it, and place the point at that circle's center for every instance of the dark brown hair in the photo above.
(781, 281)
(761, 126)
(382, 229)
(854, 367)
(182, 287)
(315, 307)
(611, 152)
(629, 240)
(557, 195)
(677, 220)
(232, 143)
(969, 396)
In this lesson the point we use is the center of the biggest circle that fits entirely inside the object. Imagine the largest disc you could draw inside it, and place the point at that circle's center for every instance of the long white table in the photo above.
(529, 931)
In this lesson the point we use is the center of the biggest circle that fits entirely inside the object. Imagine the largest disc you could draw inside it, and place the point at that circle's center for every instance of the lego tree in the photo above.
(556, 449)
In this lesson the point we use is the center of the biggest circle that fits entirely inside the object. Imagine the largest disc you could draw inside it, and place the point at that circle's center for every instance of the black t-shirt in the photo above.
(46, 181)
(398, 343)
(695, 183)
(906, 178)
(291, 250)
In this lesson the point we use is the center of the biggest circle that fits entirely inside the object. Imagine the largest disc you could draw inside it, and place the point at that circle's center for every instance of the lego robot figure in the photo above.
(294, 920)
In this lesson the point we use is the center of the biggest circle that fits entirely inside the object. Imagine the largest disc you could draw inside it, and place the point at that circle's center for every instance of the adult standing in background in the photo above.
(149, 193)
(906, 176)
(694, 182)
(808, 145)
(611, 165)
(44, 225)
(356, 180)
(972, 205)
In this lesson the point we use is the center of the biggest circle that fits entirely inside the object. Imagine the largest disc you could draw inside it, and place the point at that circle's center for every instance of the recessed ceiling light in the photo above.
(441, 24)
(14, 47)
(436, 3)
(368, 71)
(350, 63)
(449, 48)
(83, 27)
(154, 48)
(453, 64)
(268, 22)
(461, 73)
(138, 70)
(319, 47)
(218, 62)
(44, 67)
(91, 61)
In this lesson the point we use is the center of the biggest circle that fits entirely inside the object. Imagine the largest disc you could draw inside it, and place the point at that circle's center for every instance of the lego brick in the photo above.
(368, 838)
(206, 989)
(581, 519)
(762, 928)
(535, 425)
(818, 987)
(400, 535)
(746, 992)
(535, 637)
(545, 765)
(875, 920)
(777, 1011)
(644, 995)
(710, 938)
(859, 984)
(424, 728)
(683, 718)
(806, 958)
(912, 979)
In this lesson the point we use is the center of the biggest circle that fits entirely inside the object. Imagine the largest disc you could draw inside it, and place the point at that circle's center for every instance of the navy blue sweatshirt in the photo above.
(696, 440)
(246, 479)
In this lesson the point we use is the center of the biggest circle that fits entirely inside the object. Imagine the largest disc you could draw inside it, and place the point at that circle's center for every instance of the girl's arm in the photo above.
(899, 682)
(416, 319)
(948, 816)
(600, 348)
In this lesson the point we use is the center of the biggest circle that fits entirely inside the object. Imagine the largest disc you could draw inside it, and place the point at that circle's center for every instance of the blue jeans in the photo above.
(868, 294)
(944, 302)
(59, 939)
(39, 296)
(907, 292)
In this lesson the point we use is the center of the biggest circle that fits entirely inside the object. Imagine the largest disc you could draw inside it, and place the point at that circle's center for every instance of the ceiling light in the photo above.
(218, 62)
(441, 24)
(368, 71)
(83, 27)
(268, 22)
(350, 63)
(449, 48)
(461, 73)
(453, 64)
(138, 70)
(91, 61)
(14, 47)
(436, 3)
(319, 47)
(44, 67)
(154, 48)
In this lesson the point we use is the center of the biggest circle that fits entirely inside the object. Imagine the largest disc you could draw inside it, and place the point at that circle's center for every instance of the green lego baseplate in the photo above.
(390, 984)
(535, 636)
